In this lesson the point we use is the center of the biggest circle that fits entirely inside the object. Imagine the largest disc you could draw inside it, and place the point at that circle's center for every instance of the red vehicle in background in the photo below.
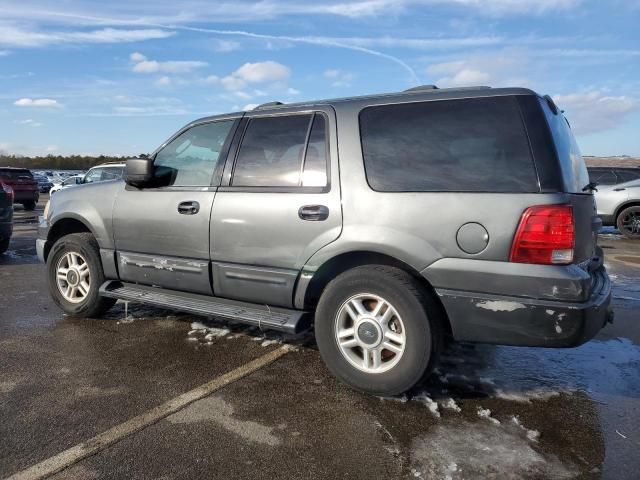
(25, 188)
(6, 216)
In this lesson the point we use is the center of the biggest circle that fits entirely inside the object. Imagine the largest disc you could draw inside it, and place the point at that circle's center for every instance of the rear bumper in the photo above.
(26, 195)
(508, 320)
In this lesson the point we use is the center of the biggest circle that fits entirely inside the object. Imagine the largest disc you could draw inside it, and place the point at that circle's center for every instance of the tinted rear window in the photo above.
(470, 145)
(574, 170)
(10, 173)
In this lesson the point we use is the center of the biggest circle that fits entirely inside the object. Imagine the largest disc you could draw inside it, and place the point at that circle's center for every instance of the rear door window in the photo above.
(283, 151)
(112, 173)
(467, 145)
(627, 176)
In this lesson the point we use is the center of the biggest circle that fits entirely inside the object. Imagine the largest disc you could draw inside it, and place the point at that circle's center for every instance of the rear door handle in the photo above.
(188, 208)
(313, 213)
(619, 189)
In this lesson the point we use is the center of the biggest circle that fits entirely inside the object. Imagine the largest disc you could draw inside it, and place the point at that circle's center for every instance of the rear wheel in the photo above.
(378, 329)
(29, 205)
(628, 222)
(75, 275)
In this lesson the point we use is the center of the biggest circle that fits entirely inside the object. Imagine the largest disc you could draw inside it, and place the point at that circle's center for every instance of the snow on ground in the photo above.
(429, 403)
(460, 449)
(486, 413)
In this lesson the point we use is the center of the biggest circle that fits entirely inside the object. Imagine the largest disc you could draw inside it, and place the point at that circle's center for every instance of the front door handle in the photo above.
(619, 189)
(188, 208)
(313, 213)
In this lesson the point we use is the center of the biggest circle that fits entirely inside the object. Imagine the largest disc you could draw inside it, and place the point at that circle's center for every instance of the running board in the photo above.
(263, 316)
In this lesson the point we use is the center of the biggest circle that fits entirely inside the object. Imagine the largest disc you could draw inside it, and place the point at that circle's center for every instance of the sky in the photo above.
(119, 77)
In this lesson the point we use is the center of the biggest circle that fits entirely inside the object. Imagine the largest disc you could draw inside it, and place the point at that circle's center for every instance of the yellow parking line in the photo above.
(103, 440)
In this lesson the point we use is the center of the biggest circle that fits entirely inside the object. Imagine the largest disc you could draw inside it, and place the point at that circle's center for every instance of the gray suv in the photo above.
(391, 222)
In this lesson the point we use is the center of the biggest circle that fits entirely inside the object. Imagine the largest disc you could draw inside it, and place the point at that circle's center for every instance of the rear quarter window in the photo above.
(574, 171)
(466, 145)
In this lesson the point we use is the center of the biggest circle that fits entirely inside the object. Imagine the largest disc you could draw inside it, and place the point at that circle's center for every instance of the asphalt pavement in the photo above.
(487, 412)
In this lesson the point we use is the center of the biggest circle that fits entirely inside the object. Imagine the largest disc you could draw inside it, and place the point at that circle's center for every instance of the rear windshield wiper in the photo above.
(591, 186)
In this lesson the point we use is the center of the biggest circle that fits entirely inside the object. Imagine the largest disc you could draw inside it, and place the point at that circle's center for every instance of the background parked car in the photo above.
(69, 182)
(44, 184)
(24, 186)
(6, 216)
(619, 206)
(100, 173)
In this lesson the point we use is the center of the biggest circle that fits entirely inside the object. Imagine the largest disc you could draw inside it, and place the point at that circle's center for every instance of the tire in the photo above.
(4, 245)
(86, 302)
(418, 317)
(628, 222)
(29, 205)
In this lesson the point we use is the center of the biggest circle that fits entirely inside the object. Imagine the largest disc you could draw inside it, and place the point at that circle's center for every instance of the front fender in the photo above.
(90, 204)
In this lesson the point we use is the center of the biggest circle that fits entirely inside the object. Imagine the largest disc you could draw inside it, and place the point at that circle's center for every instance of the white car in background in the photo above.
(69, 182)
(619, 206)
(100, 173)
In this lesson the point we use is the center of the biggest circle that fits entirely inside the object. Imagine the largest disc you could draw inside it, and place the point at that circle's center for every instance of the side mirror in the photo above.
(139, 171)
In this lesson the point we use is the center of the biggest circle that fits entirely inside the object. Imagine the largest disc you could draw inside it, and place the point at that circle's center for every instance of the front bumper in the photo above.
(508, 320)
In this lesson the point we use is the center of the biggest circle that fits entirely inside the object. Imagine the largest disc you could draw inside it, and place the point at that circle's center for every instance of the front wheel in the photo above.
(628, 222)
(75, 275)
(378, 329)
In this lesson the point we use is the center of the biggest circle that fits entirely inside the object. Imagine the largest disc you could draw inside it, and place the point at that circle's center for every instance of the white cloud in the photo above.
(137, 57)
(258, 72)
(594, 111)
(338, 77)
(293, 91)
(4, 53)
(211, 79)
(142, 64)
(163, 81)
(225, 46)
(250, 106)
(262, 72)
(13, 36)
(234, 11)
(497, 69)
(36, 102)
(30, 123)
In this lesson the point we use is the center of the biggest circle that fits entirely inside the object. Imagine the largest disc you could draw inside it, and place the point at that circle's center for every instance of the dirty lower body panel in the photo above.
(508, 320)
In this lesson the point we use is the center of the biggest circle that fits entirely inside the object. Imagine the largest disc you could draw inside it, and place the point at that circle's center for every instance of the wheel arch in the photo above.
(309, 289)
(64, 226)
(619, 209)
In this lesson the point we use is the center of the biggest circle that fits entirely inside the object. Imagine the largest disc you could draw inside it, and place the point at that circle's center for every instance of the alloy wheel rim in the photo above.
(631, 223)
(73, 277)
(370, 333)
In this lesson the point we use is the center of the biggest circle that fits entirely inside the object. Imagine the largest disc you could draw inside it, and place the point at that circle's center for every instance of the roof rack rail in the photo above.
(421, 88)
(267, 105)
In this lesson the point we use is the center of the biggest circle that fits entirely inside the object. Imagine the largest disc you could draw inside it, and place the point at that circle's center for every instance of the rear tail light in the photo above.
(545, 235)
(8, 190)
